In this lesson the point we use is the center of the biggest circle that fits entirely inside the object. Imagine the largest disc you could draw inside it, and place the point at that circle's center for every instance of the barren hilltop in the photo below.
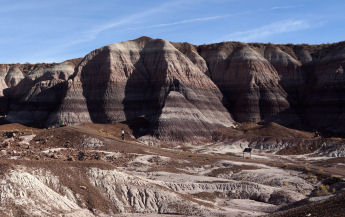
(188, 113)
(160, 82)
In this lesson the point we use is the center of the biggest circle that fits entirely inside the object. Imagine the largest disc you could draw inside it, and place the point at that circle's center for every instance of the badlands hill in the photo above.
(182, 92)
(167, 96)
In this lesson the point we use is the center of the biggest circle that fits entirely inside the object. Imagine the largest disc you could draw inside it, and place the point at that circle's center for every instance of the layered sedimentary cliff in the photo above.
(248, 81)
(182, 91)
(147, 79)
(35, 91)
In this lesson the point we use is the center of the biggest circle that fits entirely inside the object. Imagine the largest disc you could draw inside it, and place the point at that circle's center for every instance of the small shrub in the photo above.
(286, 165)
(307, 169)
(323, 190)
(312, 176)
(335, 176)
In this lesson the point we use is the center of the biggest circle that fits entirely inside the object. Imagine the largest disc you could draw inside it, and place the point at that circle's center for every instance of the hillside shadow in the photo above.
(144, 91)
(95, 78)
(38, 102)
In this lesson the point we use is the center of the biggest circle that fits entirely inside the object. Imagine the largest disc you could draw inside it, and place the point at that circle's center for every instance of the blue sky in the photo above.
(56, 30)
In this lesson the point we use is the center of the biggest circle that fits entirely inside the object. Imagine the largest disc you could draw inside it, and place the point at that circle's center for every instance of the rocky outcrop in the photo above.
(13, 76)
(3, 99)
(33, 97)
(248, 81)
(325, 101)
(3, 86)
(302, 85)
(191, 52)
(148, 79)
(30, 192)
(135, 195)
(182, 91)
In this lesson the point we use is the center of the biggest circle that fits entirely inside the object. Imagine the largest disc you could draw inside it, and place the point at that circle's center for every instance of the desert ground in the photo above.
(87, 170)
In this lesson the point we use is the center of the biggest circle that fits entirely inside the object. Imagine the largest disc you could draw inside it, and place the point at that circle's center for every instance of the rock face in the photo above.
(13, 76)
(249, 82)
(33, 95)
(182, 91)
(298, 85)
(116, 192)
(325, 101)
(3, 99)
(148, 79)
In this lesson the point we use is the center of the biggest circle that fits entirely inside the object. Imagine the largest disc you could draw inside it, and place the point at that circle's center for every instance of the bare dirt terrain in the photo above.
(87, 170)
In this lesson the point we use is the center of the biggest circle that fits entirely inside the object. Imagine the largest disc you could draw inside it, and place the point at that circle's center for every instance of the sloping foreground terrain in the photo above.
(87, 170)
(181, 92)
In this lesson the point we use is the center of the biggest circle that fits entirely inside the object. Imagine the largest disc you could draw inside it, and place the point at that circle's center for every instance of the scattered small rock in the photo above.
(3, 152)
(83, 187)
(96, 157)
(91, 143)
(10, 134)
(70, 158)
(6, 144)
(81, 155)
(54, 156)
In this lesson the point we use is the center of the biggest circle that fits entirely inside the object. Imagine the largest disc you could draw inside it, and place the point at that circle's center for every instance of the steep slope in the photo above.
(325, 101)
(182, 91)
(38, 93)
(297, 85)
(249, 82)
(289, 70)
(147, 79)
(13, 77)
(3, 99)
(3, 86)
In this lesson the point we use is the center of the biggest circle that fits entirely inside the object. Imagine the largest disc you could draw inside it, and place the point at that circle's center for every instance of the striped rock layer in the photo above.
(146, 79)
(182, 91)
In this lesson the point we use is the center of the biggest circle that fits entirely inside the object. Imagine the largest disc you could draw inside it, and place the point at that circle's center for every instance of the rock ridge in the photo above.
(182, 92)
